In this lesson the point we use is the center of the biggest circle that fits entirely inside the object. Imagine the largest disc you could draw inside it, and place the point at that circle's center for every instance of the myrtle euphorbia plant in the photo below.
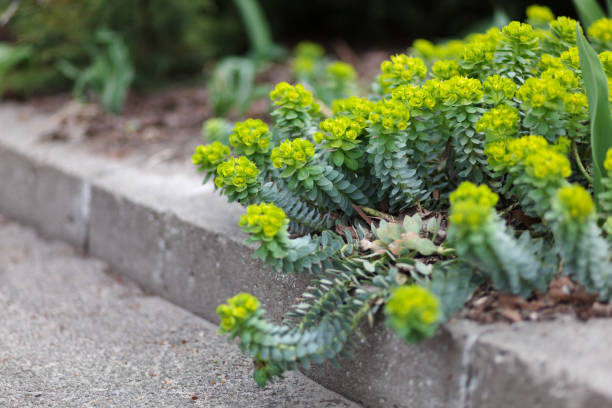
(400, 200)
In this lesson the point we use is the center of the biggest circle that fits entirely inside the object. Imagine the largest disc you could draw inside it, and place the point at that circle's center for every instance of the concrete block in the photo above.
(386, 372)
(559, 364)
(55, 202)
(204, 267)
(129, 237)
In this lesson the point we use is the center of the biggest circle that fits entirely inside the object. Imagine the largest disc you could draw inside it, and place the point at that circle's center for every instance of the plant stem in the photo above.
(584, 172)
(445, 251)
(379, 214)
(508, 209)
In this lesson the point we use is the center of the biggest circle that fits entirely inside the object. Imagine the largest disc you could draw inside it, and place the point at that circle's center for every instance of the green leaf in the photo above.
(411, 224)
(11, 55)
(589, 11)
(596, 87)
(308, 184)
(452, 285)
(256, 26)
(338, 158)
(424, 246)
(302, 174)
(350, 163)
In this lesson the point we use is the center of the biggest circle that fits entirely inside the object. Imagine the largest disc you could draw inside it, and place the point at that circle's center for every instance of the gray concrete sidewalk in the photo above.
(73, 335)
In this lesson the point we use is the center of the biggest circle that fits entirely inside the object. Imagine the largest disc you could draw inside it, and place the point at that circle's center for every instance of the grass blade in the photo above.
(596, 87)
(256, 25)
(589, 11)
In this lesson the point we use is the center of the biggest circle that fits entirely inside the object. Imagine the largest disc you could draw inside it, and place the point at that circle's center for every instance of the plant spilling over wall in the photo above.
(403, 200)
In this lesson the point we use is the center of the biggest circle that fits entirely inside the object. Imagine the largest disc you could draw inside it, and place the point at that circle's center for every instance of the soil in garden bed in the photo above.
(564, 296)
(165, 124)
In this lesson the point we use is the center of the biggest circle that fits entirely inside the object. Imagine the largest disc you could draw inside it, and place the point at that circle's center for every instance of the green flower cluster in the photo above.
(564, 28)
(601, 31)
(307, 56)
(606, 62)
(417, 98)
(548, 164)
(460, 91)
(293, 97)
(480, 49)
(250, 137)
(292, 153)
(429, 51)
(520, 33)
(357, 109)
(571, 58)
(216, 130)
(535, 169)
(576, 104)
(389, 115)
(236, 311)
(471, 206)
(576, 203)
(425, 49)
(296, 109)
(236, 174)
(341, 71)
(533, 153)
(302, 66)
(541, 92)
(517, 53)
(547, 61)
(338, 132)
(401, 70)
(413, 312)
(309, 49)
(565, 77)
(608, 161)
(500, 122)
(539, 15)
(209, 156)
(264, 221)
(446, 69)
(481, 195)
(498, 89)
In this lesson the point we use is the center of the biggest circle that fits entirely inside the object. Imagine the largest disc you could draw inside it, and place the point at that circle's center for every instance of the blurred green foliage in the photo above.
(232, 87)
(163, 37)
(110, 74)
(166, 39)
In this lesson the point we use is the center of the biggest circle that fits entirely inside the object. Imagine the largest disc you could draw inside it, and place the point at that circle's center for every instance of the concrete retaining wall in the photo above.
(179, 239)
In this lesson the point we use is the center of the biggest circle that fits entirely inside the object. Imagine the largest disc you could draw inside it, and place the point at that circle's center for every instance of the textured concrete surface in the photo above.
(401, 375)
(561, 363)
(57, 203)
(74, 336)
(177, 238)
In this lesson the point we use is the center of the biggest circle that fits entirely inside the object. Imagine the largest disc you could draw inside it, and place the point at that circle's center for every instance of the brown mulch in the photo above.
(165, 122)
(564, 296)
(168, 120)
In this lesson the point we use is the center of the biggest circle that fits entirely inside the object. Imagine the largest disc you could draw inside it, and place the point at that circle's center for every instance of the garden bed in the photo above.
(156, 224)
(165, 126)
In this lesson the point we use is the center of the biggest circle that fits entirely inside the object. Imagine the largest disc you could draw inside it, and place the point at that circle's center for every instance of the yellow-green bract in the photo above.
(413, 312)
